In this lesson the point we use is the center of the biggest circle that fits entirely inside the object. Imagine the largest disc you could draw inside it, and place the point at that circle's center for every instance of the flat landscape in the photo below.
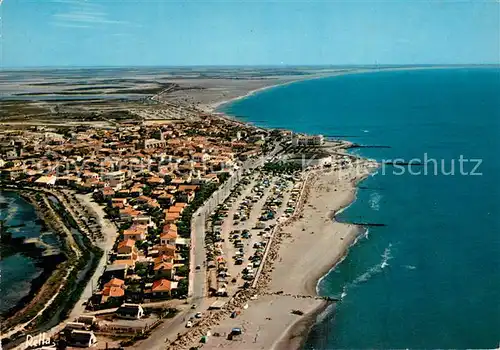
(104, 96)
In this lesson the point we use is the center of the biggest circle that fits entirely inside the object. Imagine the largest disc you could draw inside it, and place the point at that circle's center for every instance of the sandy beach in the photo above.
(303, 251)
(314, 244)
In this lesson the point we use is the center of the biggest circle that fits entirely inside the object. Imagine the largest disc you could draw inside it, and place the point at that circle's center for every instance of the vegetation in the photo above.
(223, 177)
(281, 167)
(184, 224)
(183, 271)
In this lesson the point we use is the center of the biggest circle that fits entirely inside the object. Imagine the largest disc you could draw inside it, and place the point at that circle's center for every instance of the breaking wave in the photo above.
(374, 201)
(364, 235)
(372, 271)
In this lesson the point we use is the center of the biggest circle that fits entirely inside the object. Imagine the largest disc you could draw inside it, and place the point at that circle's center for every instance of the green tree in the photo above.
(168, 179)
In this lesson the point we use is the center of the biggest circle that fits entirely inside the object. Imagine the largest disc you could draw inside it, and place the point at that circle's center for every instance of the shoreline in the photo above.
(36, 284)
(294, 265)
(47, 265)
(212, 107)
(64, 285)
(295, 336)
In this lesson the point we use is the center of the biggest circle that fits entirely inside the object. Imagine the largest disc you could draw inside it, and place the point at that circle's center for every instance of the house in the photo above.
(115, 288)
(126, 247)
(200, 157)
(83, 339)
(71, 326)
(301, 140)
(143, 220)
(46, 180)
(107, 193)
(210, 178)
(172, 217)
(162, 288)
(121, 201)
(130, 263)
(164, 267)
(136, 233)
(12, 173)
(87, 320)
(166, 198)
(123, 193)
(115, 282)
(115, 271)
(155, 181)
(188, 188)
(169, 238)
(143, 199)
(182, 205)
(114, 177)
(136, 191)
(176, 209)
(130, 311)
(169, 234)
(166, 249)
(129, 213)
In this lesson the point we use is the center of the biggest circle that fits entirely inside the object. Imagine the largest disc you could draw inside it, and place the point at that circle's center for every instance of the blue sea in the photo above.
(430, 278)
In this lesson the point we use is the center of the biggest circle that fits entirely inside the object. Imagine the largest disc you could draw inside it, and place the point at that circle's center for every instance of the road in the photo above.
(110, 233)
(197, 278)
(198, 252)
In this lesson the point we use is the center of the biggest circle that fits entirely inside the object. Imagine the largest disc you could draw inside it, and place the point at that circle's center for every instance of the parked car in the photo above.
(189, 324)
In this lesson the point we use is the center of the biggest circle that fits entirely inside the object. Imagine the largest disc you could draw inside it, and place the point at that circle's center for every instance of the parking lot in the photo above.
(242, 229)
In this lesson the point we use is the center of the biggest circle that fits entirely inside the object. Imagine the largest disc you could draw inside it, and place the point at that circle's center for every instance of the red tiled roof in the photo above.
(162, 285)
(115, 282)
(126, 243)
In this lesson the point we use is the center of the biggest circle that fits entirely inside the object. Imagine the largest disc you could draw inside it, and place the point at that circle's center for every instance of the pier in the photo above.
(315, 297)
(355, 145)
(368, 224)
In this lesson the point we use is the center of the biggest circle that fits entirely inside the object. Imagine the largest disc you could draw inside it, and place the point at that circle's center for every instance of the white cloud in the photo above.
(82, 14)
(70, 25)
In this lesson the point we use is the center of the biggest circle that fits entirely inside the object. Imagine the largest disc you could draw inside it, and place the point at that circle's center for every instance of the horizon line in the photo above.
(275, 66)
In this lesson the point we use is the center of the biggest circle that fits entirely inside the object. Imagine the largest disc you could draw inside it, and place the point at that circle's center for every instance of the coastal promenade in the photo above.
(109, 234)
(235, 302)
(197, 276)
(304, 248)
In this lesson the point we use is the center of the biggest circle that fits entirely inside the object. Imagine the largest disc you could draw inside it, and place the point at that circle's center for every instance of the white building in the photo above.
(114, 178)
(303, 140)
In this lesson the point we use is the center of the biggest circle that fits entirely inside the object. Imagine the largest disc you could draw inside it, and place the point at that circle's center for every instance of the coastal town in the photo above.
(166, 231)
(249, 175)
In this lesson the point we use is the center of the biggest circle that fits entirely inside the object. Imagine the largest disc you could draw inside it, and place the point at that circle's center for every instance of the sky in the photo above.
(65, 33)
